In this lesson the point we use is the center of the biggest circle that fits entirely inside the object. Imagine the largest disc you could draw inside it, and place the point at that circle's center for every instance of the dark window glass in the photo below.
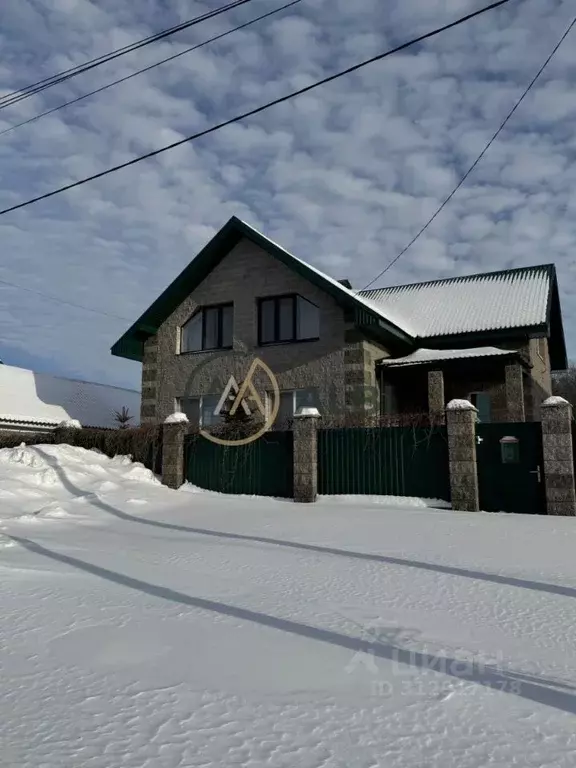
(227, 325)
(308, 320)
(211, 328)
(267, 324)
(191, 407)
(191, 340)
(286, 319)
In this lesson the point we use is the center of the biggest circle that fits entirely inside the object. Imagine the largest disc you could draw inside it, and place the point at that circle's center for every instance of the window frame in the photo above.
(277, 299)
(203, 311)
(471, 398)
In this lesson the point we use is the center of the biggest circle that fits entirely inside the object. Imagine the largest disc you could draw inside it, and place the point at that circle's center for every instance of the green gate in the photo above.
(390, 461)
(511, 467)
(261, 468)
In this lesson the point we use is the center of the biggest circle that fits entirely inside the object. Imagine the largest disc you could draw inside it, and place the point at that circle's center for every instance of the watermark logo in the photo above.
(246, 397)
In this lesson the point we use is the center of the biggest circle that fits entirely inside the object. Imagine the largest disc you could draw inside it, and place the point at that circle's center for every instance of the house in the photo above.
(494, 338)
(38, 402)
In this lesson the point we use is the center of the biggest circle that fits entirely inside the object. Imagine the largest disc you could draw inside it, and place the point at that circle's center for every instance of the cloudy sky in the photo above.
(343, 177)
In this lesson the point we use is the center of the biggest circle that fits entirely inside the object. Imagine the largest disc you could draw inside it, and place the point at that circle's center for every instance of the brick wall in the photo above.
(245, 274)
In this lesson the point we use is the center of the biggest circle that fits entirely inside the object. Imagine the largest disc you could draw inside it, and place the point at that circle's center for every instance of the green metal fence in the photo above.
(261, 468)
(389, 461)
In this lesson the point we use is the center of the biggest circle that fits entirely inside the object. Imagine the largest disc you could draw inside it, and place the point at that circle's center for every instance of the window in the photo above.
(481, 401)
(287, 318)
(389, 405)
(200, 410)
(209, 328)
(290, 403)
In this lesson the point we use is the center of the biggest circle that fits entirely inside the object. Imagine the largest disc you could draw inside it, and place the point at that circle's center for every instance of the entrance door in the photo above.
(511, 474)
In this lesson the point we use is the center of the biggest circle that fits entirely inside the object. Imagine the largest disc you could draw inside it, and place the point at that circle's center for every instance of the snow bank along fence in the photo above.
(144, 444)
(525, 467)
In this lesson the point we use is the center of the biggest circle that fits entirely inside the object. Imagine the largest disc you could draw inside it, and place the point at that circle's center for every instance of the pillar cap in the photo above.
(177, 418)
(461, 405)
(307, 412)
(554, 401)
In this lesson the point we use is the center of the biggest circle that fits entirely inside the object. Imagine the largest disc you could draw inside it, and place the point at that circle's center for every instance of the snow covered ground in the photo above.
(147, 628)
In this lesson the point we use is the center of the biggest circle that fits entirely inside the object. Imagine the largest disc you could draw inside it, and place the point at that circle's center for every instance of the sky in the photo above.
(343, 177)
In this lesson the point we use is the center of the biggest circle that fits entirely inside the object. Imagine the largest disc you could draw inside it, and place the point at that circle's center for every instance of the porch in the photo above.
(497, 382)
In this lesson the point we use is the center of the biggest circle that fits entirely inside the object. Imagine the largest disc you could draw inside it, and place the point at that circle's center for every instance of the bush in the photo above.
(144, 444)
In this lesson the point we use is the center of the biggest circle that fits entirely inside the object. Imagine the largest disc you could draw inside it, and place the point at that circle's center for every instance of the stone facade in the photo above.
(558, 457)
(173, 454)
(331, 365)
(461, 427)
(514, 377)
(436, 401)
(306, 458)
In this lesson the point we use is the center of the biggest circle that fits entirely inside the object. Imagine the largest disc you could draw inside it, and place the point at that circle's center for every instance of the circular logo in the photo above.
(241, 398)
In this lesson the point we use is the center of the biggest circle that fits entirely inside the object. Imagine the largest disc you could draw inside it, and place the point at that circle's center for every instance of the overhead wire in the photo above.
(478, 159)
(257, 110)
(34, 118)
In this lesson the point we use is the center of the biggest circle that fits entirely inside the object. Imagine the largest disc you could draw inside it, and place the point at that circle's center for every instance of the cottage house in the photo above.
(493, 338)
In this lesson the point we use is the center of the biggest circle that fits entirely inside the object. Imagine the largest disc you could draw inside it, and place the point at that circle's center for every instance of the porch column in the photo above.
(515, 393)
(558, 456)
(436, 403)
(174, 432)
(306, 455)
(461, 426)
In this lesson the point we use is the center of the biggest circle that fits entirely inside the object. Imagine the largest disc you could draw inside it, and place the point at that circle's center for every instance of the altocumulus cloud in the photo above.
(343, 176)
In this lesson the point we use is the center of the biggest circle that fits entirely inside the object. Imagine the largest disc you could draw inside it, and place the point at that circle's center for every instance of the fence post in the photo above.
(174, 431)
(306, 455)
(558, 456)
(461, 425)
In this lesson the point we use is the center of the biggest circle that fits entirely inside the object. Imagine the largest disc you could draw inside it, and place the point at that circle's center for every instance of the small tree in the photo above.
(122, 418)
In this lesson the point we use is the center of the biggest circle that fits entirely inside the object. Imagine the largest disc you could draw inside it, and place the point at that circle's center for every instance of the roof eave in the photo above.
(131, 344)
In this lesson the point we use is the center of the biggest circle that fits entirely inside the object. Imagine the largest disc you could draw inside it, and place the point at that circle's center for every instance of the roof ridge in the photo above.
(549, 267)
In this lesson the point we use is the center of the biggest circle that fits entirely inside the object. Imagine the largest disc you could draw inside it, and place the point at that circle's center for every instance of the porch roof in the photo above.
(430, 356)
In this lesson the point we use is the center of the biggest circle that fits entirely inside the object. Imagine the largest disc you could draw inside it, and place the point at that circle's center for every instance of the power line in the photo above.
(478, 159)
(257, 110)
(147, 69)
(16, 96)
(63, 301)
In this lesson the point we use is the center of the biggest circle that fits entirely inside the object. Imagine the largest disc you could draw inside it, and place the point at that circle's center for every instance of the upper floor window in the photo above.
(209, 328)
(287, 318)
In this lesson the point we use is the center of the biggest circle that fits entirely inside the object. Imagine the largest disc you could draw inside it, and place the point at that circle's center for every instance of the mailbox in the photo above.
(510, 450)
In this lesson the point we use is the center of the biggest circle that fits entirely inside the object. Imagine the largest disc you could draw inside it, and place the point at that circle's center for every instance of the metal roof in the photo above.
(515, 298)
(424, 356)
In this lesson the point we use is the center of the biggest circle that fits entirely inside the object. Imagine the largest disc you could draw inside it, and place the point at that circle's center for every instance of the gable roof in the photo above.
(27, 397)
(131, 344)
(482, 304)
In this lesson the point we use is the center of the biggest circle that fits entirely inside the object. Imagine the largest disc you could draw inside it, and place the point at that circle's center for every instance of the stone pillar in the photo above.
(436, 403)
(174, 432)
(306, 455)
(558, 456)
(461, 426)
(515, 393)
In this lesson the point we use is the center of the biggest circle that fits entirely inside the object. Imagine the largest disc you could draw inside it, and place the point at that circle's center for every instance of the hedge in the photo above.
(143, 444)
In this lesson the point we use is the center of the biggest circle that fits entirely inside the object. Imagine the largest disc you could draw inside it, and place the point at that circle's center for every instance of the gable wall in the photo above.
(244, 275)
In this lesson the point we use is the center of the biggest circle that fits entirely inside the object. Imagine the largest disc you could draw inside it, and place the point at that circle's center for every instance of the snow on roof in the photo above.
(29, 397)
(513, 298)
(421, 356)
(386, 313)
